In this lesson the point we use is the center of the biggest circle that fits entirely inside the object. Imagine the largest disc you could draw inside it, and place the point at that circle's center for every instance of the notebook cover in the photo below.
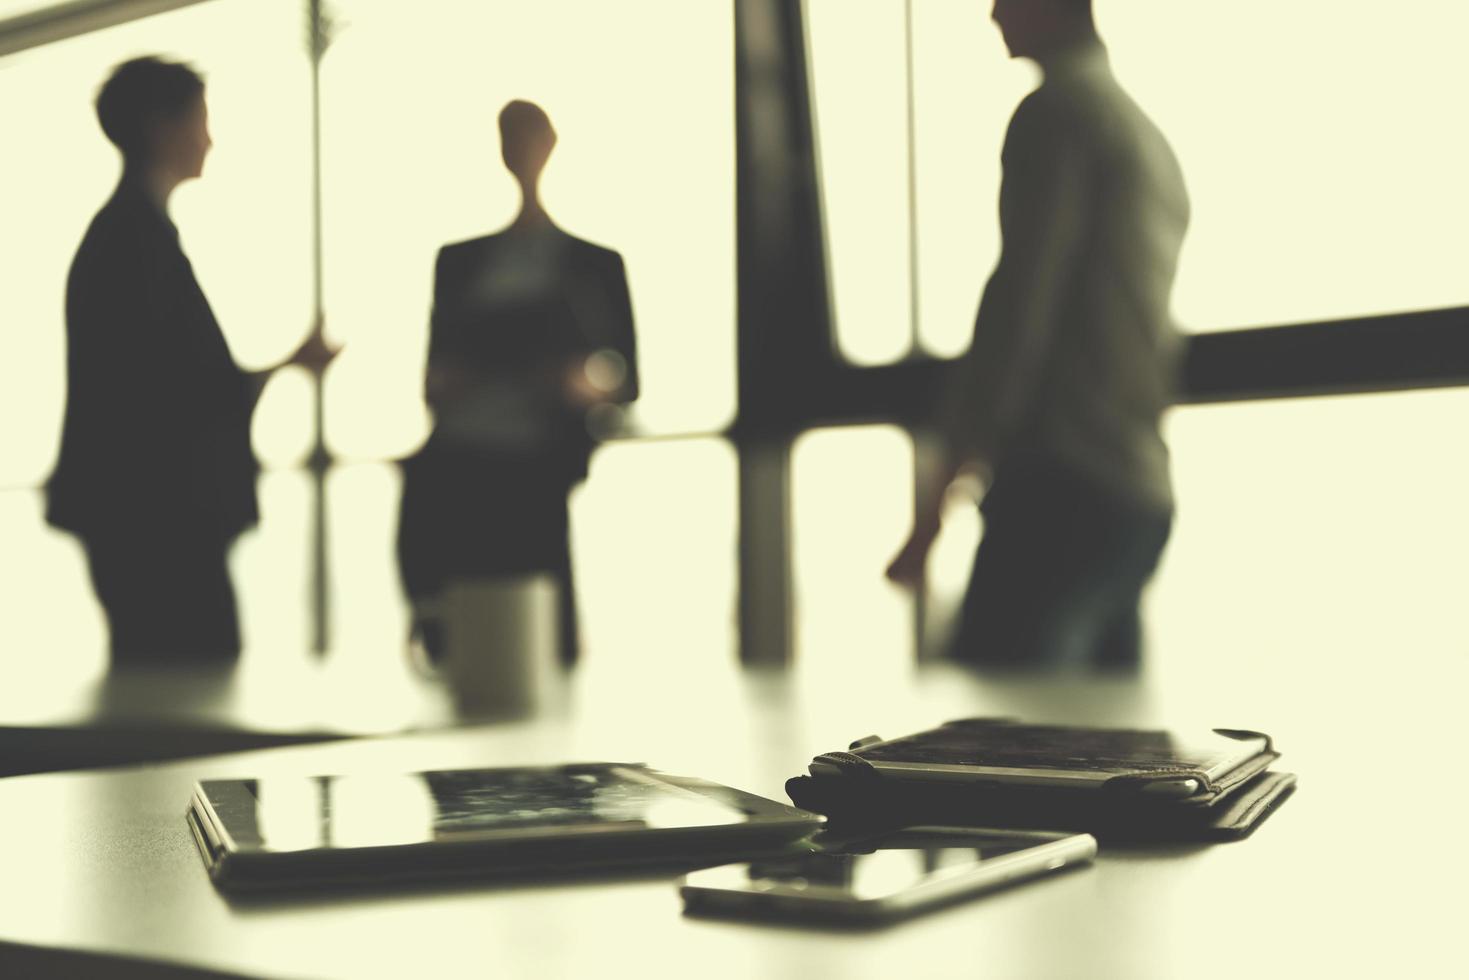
(889, 804)
(1004, 737)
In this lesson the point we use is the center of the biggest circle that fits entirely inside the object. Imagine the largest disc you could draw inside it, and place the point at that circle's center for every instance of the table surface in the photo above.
(1356, 875)
(277, 694)
(50, 722)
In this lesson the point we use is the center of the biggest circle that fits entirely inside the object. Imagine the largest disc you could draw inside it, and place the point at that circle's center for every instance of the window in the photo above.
(1314, 533)
(858, 91)
(964, 91)
(655, 551)
(1321, 140)
(911, 101)
(852, 505)
(1324, 146)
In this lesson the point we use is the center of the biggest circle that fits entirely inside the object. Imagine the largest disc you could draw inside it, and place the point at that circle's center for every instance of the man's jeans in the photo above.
(1059, 574)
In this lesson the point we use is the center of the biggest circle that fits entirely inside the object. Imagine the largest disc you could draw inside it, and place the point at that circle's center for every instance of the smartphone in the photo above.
(875, 880)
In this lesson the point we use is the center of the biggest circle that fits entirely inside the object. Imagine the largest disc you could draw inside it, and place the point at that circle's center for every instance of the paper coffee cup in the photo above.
(500, 645)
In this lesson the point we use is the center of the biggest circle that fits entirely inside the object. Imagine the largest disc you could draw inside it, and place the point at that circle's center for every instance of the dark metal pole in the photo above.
(318, 31)
(60, 21)
(785, 337)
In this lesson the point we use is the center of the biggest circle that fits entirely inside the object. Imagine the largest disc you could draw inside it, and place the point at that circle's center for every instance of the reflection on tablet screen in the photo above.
(287, 814)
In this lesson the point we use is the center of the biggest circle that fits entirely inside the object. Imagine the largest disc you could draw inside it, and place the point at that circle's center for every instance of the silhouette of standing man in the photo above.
(532, 332)
(155, 474)
(1060, 398)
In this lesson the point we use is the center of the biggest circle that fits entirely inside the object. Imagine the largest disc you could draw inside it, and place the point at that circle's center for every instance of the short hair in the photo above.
(520, 119)
(140, 93)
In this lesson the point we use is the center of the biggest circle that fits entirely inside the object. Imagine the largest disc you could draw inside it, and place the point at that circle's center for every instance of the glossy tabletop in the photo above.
(1359, 874)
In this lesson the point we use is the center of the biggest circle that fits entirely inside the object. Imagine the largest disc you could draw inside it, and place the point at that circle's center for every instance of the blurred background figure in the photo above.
(1059, 400)
(531, 348)
(155, 475)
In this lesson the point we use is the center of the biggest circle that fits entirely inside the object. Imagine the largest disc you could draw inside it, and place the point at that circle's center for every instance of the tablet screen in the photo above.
(288, 814)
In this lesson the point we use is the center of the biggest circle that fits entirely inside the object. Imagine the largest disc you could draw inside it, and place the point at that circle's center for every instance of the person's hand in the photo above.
(315, 352)
(595, 379)
(578, 386)
(910, 567)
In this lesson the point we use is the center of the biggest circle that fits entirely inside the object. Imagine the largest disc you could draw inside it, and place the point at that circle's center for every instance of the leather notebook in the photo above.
(1119, 784)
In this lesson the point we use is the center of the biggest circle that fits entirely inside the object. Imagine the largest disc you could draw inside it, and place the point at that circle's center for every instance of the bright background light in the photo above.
(1324, 146)
(1322, 141)
(858, 80)
(852, 503)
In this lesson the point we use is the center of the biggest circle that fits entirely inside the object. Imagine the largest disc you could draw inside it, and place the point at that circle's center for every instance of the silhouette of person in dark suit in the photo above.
(531, 339)
(155, 475)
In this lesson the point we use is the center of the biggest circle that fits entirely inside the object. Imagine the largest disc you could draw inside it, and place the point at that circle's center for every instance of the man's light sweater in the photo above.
(1075, 352)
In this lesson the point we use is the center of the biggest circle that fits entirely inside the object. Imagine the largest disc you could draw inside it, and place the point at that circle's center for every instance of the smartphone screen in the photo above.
(882, 875)
(885, 871)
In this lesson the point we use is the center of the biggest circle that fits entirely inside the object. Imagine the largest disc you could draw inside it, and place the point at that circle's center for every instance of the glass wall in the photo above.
(1325, 150)
(858, 69)
(656, 555)
(1313, 530)
(852, 503)
(964, 90)
(1319, 193)
(1333, 192)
